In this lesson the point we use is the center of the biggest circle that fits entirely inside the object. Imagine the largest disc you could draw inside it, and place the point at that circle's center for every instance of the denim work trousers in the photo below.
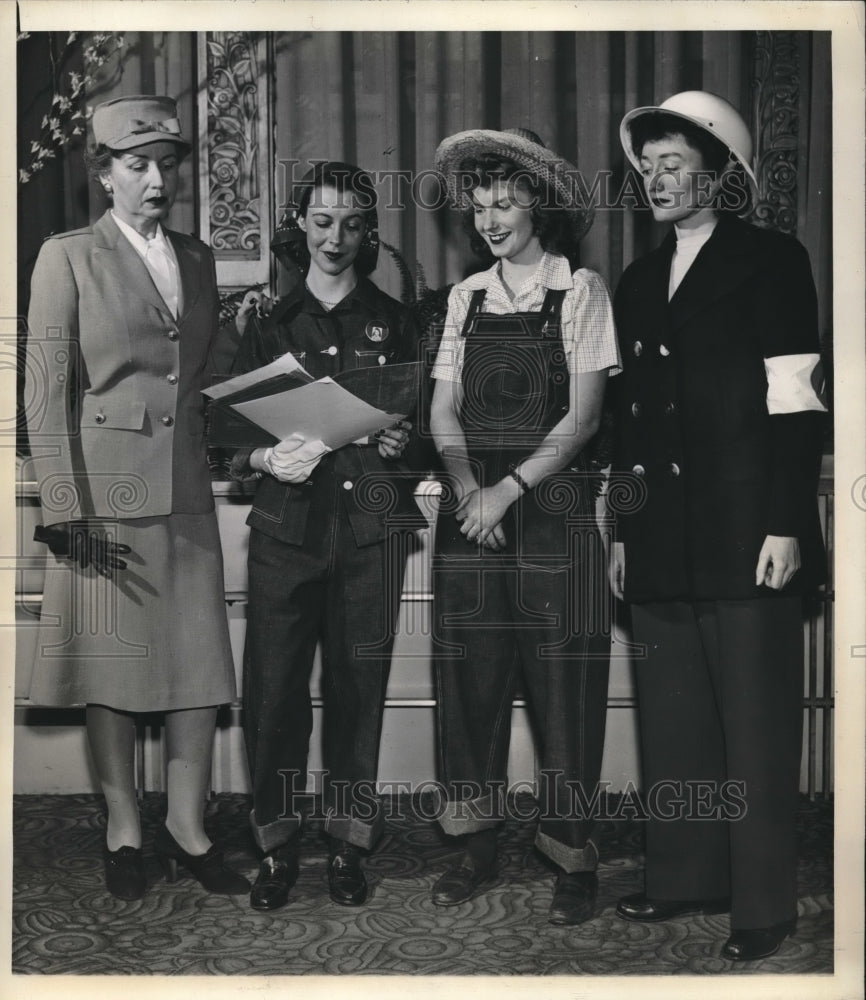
(720, 694)
(347, 596)
(528, 619)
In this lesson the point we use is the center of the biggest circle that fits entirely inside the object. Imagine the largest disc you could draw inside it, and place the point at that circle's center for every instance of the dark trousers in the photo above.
(509, 622)
(347, 596)
(721, 700)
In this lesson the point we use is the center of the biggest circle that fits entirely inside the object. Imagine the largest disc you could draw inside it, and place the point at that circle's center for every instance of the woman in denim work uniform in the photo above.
(521, 374)
(320, 563)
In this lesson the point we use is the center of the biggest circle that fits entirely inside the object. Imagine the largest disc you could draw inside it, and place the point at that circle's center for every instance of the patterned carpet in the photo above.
(64, 922)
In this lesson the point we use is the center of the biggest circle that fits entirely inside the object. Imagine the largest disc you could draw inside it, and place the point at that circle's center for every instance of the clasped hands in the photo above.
(482, 510)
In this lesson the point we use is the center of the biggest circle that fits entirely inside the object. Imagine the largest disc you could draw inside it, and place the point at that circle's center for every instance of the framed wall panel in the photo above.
(236, 196)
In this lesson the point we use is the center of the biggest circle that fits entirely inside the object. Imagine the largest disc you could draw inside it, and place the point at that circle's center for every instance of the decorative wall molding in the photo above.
(776, 86)
(236, 153)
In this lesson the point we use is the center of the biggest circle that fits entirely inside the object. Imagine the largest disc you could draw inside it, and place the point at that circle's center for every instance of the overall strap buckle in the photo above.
(475, 304)
(551, 309)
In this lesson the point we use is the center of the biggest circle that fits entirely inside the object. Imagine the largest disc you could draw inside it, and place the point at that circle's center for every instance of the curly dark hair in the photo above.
(550, 224)
(342, 177)
(290, 243)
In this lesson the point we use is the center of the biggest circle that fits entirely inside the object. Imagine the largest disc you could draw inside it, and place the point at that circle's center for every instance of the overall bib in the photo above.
(527, 618)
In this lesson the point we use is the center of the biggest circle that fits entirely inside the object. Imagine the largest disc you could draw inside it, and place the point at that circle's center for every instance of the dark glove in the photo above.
(84, 545)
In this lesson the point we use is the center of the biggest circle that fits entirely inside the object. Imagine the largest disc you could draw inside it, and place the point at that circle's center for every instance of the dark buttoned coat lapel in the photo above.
(728, 258)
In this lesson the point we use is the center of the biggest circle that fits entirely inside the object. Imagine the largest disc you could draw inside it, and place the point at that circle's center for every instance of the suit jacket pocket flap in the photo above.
(113, 411)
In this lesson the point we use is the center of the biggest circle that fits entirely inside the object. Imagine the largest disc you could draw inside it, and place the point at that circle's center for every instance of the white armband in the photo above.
(795, 382)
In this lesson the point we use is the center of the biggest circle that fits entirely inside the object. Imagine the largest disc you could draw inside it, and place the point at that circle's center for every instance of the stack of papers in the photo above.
(281, 399)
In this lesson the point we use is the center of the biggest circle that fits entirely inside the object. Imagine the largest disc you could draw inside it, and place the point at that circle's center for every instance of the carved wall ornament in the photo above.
(235, 70)
(776, 86)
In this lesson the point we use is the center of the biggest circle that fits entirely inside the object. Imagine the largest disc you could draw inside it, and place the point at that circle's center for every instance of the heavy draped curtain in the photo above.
(385, 100)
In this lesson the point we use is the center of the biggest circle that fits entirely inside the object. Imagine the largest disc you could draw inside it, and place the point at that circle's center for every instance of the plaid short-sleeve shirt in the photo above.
(588, 332)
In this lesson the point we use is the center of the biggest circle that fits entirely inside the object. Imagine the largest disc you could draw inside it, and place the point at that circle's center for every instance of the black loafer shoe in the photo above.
(640, 907)
(278, 872)
(124, 872)
(346, 881)
(573, 898)
(462, 882)
(747, 946)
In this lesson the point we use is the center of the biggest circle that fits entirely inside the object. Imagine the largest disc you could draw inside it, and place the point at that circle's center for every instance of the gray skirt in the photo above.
(155, 638)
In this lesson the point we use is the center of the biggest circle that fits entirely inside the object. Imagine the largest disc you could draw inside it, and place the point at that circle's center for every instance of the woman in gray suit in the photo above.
(122, 337)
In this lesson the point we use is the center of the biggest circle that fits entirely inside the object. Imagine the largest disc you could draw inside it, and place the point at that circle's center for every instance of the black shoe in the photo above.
(573, 898)
(208, 868)
(640, 907)
(278, 872)
(747, 946)
(124, 872)
(346, 881)
(462, 881)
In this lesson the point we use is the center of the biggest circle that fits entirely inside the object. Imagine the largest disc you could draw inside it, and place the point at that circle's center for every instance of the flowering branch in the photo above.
(69, 112)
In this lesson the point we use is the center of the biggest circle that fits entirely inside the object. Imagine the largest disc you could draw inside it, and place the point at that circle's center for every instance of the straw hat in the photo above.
(524, 148)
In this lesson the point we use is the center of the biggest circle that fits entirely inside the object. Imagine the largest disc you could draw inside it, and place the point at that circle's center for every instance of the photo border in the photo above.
(846, 22)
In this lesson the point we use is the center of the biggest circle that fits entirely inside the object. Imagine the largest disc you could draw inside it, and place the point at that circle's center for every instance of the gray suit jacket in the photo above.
(112, 402)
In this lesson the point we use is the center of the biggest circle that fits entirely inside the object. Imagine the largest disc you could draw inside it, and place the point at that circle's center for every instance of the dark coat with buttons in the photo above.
(374, 490)
(113, 402)
(715, 473)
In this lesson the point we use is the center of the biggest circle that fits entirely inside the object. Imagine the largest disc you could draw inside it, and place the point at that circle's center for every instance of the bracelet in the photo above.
(521, 482)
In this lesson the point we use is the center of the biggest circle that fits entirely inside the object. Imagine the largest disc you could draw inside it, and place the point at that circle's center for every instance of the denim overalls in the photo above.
(528, 618)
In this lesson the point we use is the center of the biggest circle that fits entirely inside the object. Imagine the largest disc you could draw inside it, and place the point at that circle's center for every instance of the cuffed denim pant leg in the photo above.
(503, 625)
(328, 589)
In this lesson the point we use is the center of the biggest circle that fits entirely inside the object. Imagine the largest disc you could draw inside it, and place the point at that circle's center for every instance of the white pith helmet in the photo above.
(709, 112)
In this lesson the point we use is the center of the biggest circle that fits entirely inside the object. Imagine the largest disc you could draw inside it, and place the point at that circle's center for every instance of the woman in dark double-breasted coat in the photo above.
(720, 427)
(123, 328)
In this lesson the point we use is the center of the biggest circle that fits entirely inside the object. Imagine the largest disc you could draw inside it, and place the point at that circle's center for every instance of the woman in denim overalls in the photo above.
(518, 572)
